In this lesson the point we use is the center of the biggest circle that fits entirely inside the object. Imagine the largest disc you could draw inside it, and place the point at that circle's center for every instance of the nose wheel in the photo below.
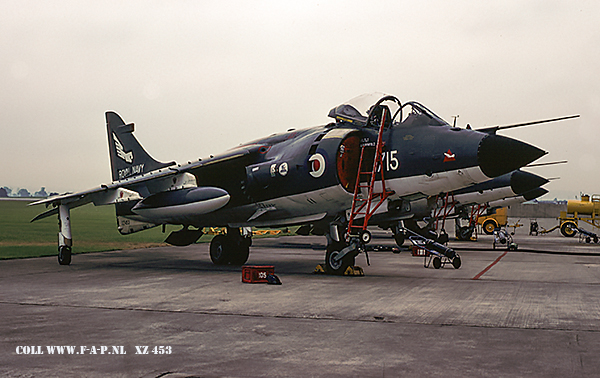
(335, 262)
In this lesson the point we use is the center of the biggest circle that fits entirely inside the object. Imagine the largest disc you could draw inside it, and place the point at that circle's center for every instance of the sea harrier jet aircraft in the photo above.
(378, 151)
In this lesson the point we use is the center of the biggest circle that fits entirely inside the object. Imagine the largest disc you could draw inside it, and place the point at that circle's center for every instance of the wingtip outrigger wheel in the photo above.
(64, 255)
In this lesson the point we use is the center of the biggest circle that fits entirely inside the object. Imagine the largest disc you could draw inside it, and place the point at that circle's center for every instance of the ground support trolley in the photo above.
(436, 254)
(504, 238)
(587, 236)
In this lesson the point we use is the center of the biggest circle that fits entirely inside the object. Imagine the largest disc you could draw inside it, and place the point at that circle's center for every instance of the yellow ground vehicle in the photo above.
(490, 222)
(584, 210)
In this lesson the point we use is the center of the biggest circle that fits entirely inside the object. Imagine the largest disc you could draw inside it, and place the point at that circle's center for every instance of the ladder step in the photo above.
(357, 226)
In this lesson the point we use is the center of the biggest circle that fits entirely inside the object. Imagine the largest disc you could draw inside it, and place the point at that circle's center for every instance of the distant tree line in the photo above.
(5, 191)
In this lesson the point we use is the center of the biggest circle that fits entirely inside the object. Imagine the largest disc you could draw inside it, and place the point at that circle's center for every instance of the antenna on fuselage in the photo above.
(455, 117)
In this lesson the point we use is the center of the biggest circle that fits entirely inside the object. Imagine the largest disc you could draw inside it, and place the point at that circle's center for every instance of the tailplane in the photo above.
(127, 156)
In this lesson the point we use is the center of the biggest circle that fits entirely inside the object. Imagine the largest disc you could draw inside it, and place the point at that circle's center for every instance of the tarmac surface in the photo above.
(534, 312)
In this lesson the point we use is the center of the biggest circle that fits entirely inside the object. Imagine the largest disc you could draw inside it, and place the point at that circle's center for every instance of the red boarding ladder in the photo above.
(476, 212)
(442, 211)
(363, 208)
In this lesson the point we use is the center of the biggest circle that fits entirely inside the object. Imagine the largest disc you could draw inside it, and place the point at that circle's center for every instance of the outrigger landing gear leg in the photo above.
(232, 248)
(65, 241)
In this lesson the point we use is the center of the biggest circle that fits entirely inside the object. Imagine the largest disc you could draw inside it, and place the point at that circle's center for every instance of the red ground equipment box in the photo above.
(417, 251)
(256, 273)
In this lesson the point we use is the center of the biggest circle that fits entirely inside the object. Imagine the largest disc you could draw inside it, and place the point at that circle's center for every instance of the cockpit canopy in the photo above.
(357, 110)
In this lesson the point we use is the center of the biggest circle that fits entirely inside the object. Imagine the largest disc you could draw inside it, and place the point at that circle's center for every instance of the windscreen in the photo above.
(356, 110)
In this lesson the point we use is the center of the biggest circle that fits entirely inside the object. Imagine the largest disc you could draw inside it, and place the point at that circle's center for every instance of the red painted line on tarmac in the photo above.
(490, 266)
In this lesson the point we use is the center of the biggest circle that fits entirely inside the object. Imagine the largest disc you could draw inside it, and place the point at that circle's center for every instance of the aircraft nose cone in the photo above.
(498, 154)
(535, 193)
(521, 182)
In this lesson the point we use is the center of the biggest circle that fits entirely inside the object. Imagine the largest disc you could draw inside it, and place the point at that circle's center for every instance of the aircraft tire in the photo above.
(568, 229)
(338, 268)
(240, 254)
(443, 237)
(489, 226)
(399, 238)
(465, 233)
(64, 255)
(218, 250)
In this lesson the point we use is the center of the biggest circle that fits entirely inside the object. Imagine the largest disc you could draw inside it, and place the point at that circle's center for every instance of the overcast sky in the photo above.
(199, 77)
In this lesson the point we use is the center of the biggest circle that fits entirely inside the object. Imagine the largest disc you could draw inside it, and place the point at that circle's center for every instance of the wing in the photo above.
(138, 187)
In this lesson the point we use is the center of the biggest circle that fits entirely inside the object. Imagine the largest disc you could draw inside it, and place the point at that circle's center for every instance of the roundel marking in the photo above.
(317, 165)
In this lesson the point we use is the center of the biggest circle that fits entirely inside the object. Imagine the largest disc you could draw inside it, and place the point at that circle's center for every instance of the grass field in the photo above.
(93, 229)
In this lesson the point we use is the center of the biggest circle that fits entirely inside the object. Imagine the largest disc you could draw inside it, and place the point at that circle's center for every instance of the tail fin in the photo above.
(127, 156)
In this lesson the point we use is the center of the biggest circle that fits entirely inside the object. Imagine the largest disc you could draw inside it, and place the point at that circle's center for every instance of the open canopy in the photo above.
(357, 110)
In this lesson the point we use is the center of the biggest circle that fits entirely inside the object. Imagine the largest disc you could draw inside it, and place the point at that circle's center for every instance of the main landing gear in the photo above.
(230, 249)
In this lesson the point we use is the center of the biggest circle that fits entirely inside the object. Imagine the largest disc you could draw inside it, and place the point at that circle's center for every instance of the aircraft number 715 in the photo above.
(391, 162)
